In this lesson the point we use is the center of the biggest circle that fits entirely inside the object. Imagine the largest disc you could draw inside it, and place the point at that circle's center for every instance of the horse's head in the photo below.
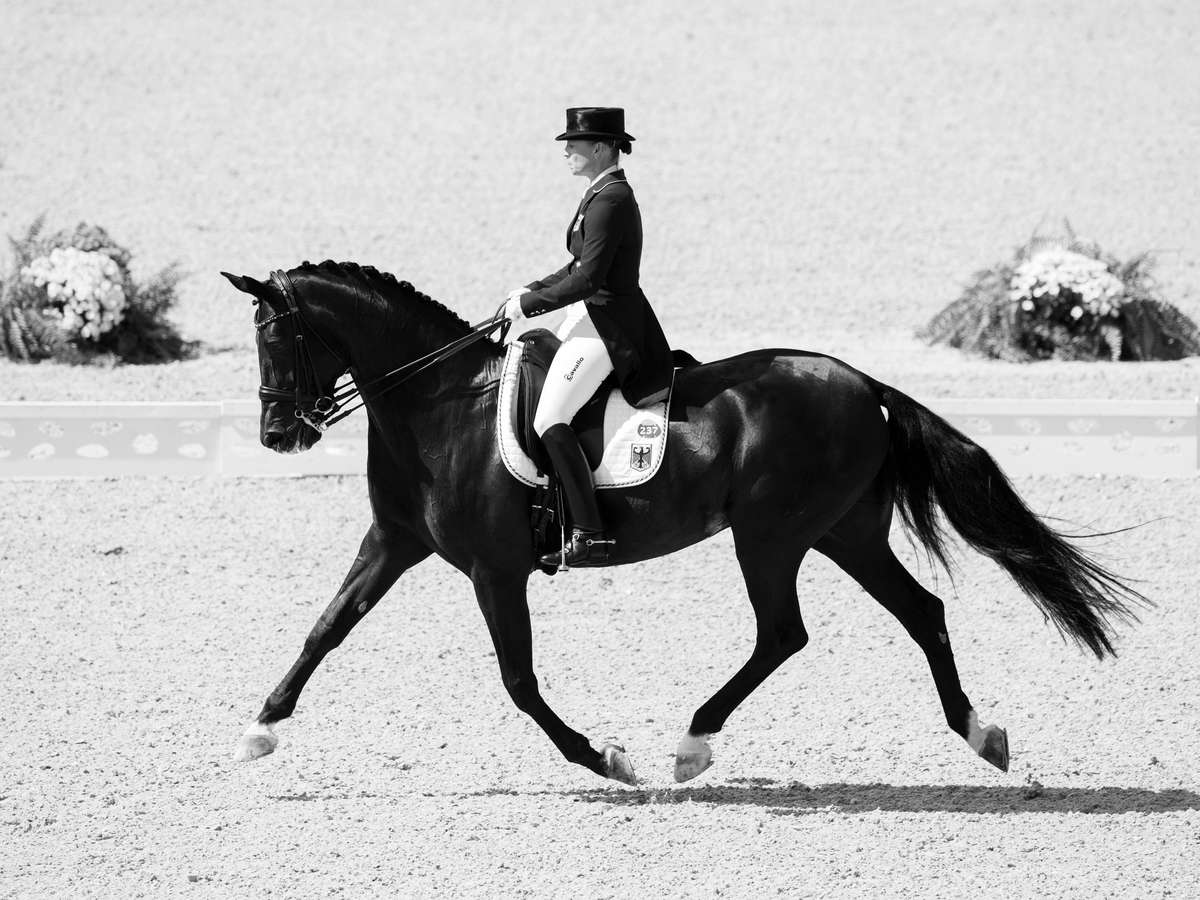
(298, 368)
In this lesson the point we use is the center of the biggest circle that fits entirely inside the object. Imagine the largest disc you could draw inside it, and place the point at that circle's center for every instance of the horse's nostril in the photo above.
(273, 439)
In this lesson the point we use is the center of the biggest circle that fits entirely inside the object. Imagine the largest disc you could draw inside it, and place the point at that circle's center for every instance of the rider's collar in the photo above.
(606, 172)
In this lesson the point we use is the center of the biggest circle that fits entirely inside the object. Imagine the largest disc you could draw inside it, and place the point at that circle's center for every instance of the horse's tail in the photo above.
(939, 467)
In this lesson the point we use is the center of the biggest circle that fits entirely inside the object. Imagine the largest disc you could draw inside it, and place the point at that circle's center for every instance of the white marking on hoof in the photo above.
(617, 765)
(692, 756)
(258, 740)
(974, 732)
(989, 743)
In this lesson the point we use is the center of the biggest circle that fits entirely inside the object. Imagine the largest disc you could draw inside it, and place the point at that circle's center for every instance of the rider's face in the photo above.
(582, 157)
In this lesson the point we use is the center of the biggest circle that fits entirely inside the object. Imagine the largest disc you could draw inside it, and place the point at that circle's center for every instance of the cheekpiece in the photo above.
(595, 122)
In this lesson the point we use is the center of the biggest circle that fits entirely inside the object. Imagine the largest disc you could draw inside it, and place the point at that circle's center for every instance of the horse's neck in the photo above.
(445, 407)
(385, 342)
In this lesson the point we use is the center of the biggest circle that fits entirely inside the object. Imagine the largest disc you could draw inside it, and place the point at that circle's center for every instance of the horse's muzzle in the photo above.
(276, 439)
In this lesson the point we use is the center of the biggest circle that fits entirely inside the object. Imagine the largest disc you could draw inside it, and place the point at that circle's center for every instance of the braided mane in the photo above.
(383, 283)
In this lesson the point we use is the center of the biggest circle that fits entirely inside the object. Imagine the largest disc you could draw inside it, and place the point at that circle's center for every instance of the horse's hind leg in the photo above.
(869, 560)
(381, 560)
(769, 568)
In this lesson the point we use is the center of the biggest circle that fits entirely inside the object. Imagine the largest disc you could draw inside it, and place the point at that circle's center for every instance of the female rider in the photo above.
(609, 324)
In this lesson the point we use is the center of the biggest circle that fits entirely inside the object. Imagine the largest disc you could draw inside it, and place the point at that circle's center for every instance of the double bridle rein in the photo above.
(319, 410)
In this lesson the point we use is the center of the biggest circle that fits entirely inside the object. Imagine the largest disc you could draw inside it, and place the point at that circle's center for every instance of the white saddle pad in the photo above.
(635, 440)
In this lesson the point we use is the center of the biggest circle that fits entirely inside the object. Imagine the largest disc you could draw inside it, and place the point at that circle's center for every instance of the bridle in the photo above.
(319, 410)
(312, 406)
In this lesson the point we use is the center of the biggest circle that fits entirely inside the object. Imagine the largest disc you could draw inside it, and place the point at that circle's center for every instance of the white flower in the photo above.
(84, 286)
(1063, 274)
(1027, 305)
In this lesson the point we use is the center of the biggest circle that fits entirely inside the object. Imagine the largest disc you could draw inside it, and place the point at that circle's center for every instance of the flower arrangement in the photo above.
(71, 297)
(1062, 297)
(84, 288)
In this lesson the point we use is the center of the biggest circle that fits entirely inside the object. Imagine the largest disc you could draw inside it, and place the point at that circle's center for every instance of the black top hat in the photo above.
(595, 122)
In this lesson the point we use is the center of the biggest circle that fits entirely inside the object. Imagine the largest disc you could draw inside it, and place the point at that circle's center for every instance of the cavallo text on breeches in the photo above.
(575, 374)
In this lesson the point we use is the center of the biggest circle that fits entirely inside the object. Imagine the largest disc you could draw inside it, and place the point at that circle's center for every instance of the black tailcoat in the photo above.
(605, 242)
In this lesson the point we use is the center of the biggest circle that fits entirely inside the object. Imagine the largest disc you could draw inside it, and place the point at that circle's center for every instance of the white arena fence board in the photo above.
(1027, 437)
(1062, 437)
(41, 440)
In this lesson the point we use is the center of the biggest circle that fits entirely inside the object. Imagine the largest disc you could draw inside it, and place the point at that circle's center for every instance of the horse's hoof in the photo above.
(990, 743)
(617, 765)
(692, 756)
(259, 740)
(995, 747)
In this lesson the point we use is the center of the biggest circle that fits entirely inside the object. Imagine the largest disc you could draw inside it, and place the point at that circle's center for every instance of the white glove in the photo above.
(512, 305)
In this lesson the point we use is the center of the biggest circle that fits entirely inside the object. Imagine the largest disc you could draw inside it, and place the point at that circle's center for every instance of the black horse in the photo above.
(792, 450)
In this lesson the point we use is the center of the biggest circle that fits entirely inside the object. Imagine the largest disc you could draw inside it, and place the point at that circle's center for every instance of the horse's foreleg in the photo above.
(506, 611)
(381, 560)
(923, 615)
(770, 573)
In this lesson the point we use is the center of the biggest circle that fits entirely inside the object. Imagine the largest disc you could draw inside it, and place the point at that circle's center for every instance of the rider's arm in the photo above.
(604, 223)
(552, 278)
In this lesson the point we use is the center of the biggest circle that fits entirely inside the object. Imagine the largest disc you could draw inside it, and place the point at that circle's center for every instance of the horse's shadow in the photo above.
(794, 798)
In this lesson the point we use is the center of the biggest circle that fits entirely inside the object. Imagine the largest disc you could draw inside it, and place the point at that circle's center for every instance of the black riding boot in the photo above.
(588, 545)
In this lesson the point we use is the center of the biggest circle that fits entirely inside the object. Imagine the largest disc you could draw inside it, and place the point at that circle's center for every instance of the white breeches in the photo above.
(580, 364)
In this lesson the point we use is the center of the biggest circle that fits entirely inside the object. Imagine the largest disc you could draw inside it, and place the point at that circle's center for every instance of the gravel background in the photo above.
(808, 177)
(137, 649)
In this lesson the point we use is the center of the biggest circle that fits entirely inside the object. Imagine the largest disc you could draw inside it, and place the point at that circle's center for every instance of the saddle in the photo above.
(624, 445)
(539, 347)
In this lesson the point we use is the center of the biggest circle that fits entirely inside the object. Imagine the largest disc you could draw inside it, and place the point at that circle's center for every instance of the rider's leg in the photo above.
(578, 368)
(574, 322)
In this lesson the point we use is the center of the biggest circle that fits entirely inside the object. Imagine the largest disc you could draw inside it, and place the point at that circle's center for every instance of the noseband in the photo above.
(317, 409)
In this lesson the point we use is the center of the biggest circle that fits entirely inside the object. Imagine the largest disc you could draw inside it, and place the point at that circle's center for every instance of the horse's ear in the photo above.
(248, 285)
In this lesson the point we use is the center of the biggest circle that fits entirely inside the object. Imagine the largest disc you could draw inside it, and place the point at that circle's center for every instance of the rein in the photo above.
(327, 409)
